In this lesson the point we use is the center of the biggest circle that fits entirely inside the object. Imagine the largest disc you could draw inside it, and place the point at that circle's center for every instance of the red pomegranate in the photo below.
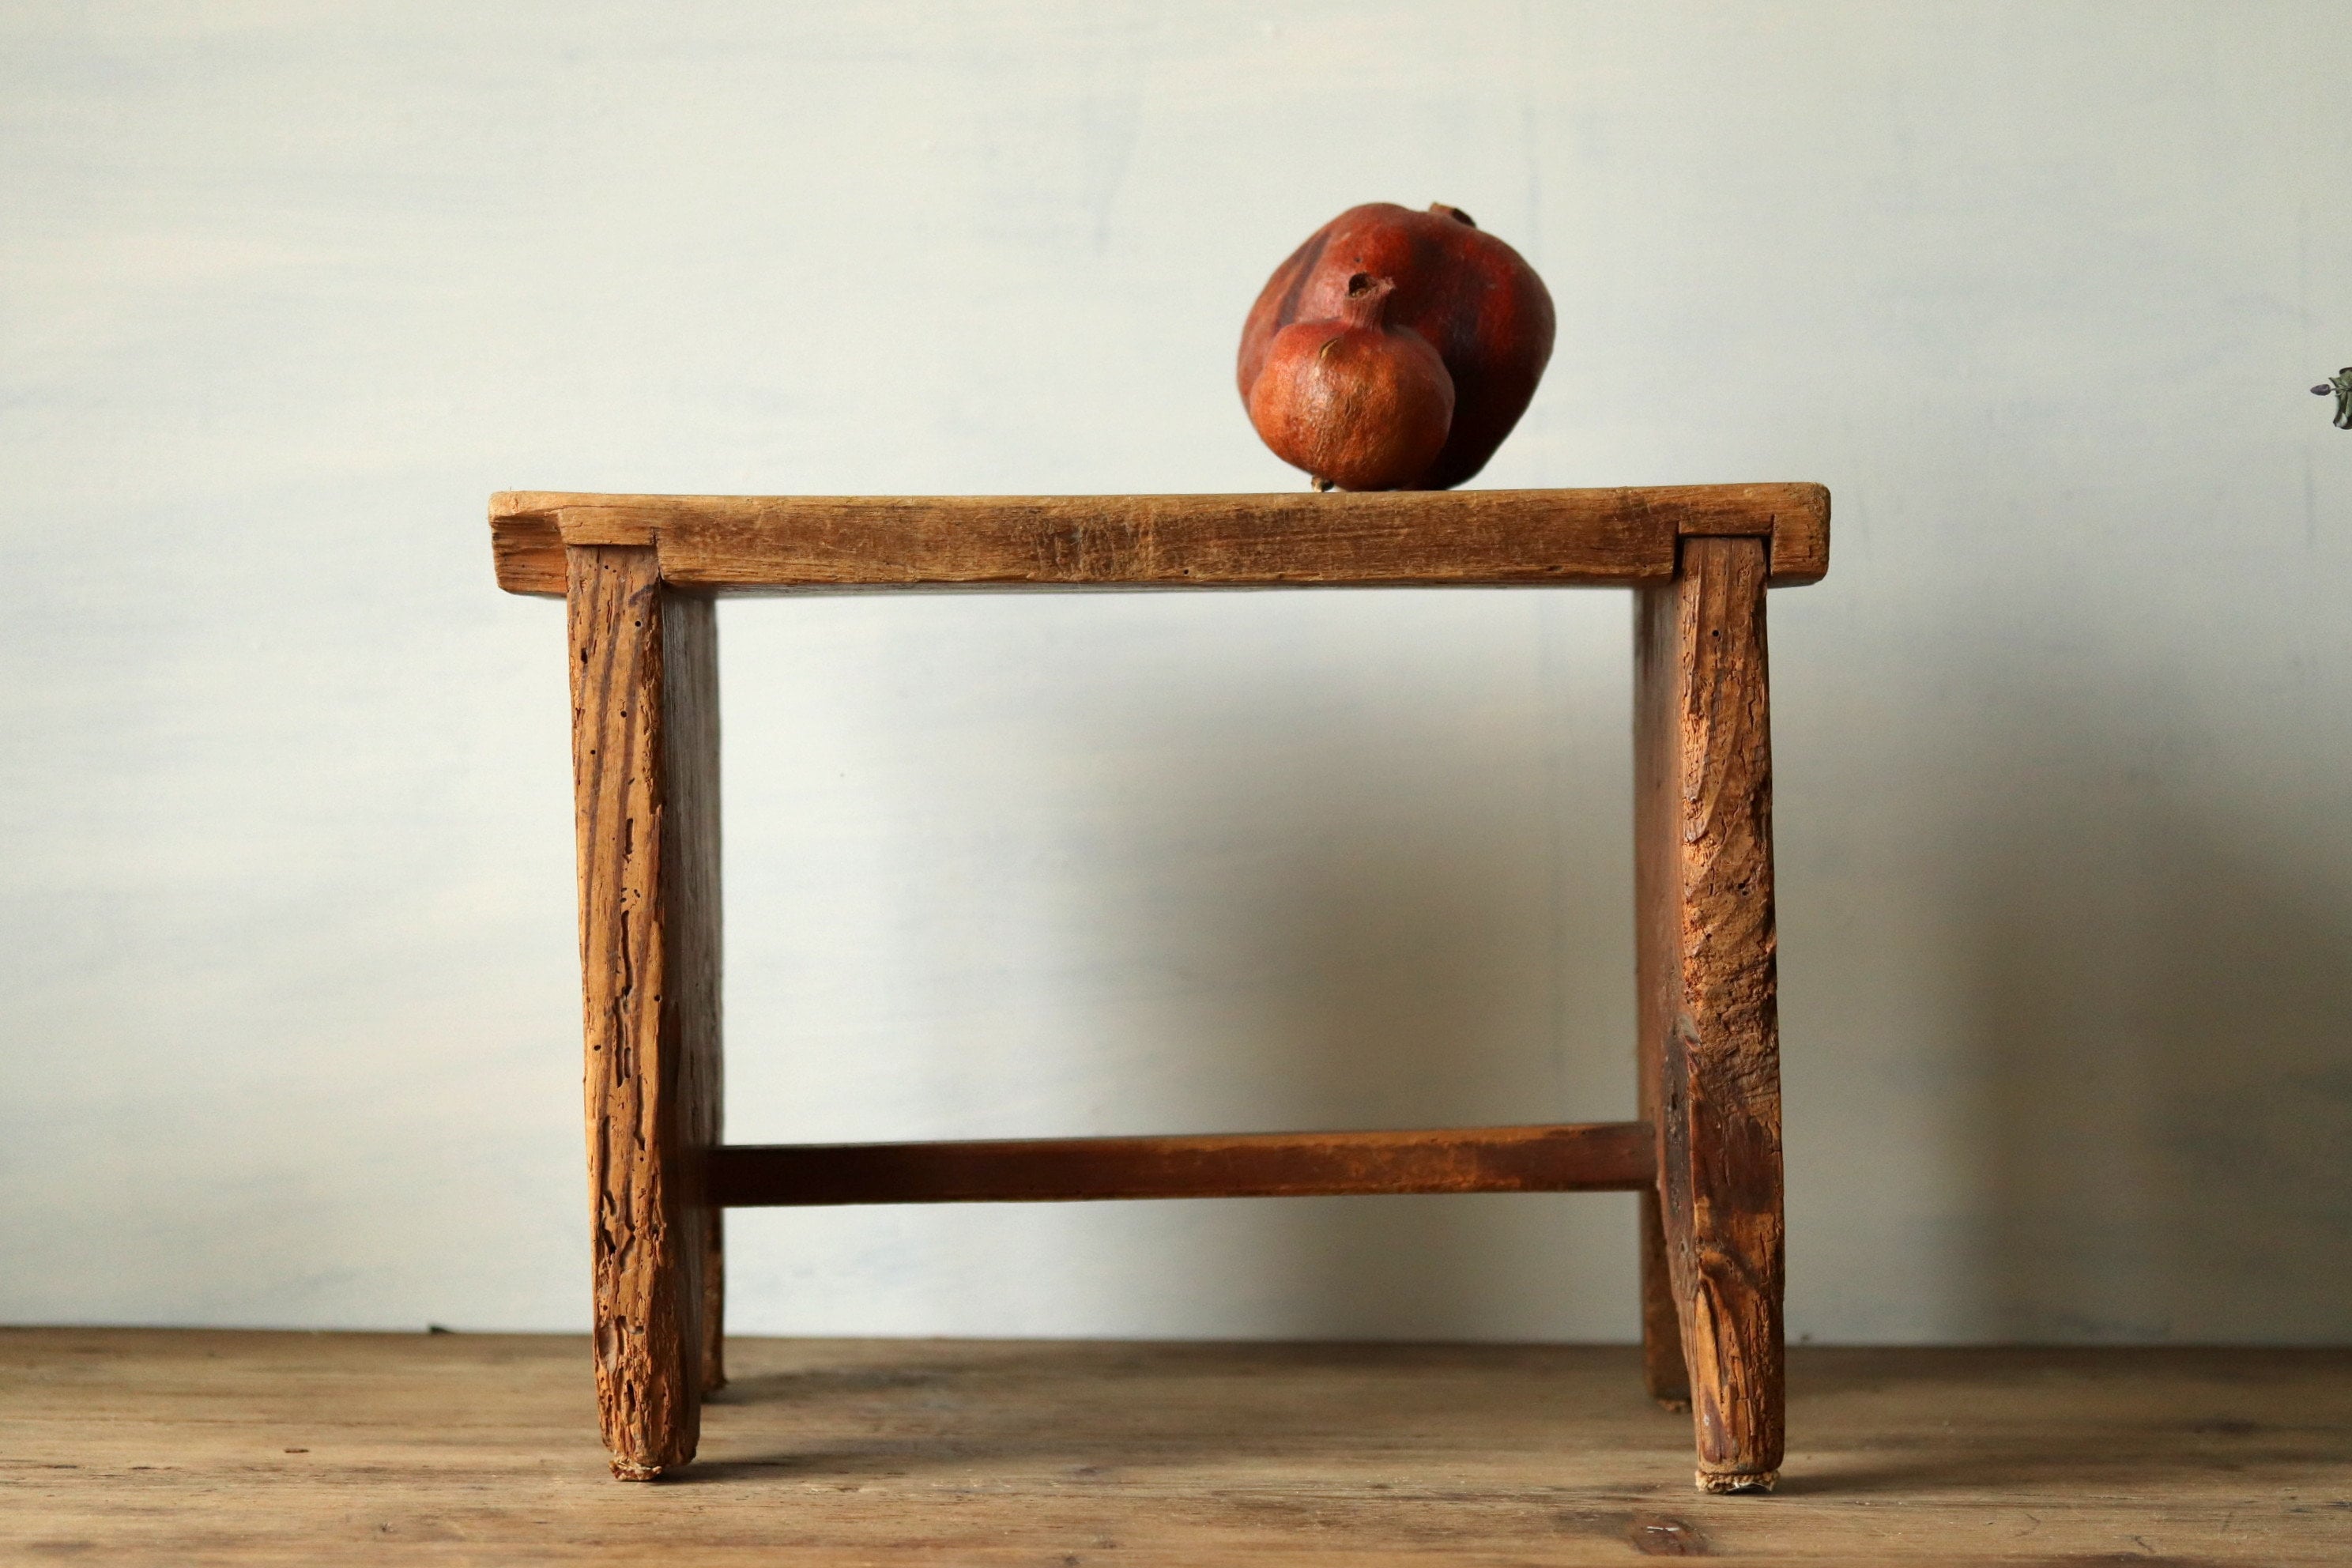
(1469, 295)
(1353, 400)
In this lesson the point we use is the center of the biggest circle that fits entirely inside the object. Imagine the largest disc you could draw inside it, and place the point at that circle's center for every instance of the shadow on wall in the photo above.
(1417, 914)
(1415, 974)
(2161, 1006)
(1124, 866)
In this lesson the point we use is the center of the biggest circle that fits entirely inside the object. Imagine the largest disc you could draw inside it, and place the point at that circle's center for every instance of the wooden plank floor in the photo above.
(138, 1446)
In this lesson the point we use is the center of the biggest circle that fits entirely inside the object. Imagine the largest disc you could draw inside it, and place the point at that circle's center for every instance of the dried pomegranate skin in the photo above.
(1470, 295)
(1357, 404)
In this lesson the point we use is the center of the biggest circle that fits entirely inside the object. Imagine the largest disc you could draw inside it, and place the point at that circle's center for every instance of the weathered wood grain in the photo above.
(644, 759)
(1711, 1051)
(1491, 538)
(150, 1449)
(528, 553)
(1613, 1156)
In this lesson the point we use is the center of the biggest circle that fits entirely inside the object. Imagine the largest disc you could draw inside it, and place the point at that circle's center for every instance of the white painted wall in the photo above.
(2066, 828)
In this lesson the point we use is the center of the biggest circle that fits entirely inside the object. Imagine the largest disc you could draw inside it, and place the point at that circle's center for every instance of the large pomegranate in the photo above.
(1469, 295)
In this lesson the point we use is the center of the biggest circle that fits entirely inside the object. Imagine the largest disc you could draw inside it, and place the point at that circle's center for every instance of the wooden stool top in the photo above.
(738, 544)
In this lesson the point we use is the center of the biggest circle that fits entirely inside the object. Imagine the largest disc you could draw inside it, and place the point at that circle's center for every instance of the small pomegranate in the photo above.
(1353, 400)
(1470, 296)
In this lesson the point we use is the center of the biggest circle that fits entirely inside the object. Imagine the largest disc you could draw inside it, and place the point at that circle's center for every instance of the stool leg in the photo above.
(645, 766)
(1710, 1047)
(714, 1291)
(691, 692)
(1663, 1371)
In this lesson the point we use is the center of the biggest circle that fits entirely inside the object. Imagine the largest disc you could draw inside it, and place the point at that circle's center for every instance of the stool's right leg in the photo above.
(1662, 1369)
(644, 770)
(1711, 1050)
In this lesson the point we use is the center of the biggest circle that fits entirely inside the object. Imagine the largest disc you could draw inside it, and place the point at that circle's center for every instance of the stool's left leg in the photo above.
(645, 769)
(714, 1294)
(1703, 725)
(691, 842)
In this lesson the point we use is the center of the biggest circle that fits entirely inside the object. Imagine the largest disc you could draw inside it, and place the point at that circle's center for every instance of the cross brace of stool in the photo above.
(639, 573)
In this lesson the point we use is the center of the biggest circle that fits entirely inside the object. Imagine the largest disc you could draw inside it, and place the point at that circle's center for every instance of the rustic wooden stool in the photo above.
(639, 573)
